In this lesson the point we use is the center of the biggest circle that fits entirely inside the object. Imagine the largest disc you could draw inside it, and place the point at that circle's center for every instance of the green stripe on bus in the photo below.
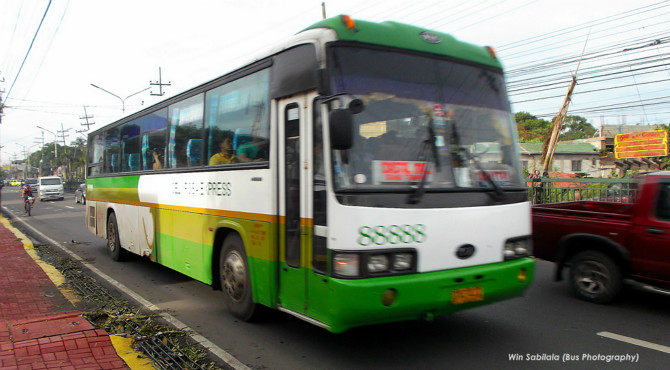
(114, 182)
(112, 189)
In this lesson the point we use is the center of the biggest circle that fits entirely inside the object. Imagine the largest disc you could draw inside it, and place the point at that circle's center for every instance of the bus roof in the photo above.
(405, 36)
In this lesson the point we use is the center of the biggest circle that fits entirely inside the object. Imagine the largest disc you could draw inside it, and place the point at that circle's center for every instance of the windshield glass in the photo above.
(429, 122)
(51, 182)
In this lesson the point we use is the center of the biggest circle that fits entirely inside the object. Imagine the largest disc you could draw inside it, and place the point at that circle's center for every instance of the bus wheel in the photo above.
(113, 242)
(235, 280)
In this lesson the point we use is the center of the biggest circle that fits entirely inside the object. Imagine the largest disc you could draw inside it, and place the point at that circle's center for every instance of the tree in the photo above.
(576, 127)
(71, 157)
(531, 129)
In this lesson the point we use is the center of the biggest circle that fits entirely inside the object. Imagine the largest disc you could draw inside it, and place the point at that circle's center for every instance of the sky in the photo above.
(119, 45)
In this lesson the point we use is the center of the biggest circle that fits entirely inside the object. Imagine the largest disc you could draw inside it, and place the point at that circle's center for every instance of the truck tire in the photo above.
(595, 277)
(235, 278)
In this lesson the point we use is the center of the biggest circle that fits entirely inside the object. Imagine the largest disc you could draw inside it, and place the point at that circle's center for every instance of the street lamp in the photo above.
(26, 152)
(55, 140)
(123, 101)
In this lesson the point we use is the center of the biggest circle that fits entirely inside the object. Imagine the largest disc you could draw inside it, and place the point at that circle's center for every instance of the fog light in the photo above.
(378, 263)
(402, 261)
(522, 276)
(346, 264)
(389, 297)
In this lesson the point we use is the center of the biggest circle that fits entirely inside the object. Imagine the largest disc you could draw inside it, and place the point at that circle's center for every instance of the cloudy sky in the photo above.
(119, 45)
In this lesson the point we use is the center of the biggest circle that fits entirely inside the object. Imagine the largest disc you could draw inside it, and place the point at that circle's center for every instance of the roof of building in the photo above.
(565, 148)
(613, 130)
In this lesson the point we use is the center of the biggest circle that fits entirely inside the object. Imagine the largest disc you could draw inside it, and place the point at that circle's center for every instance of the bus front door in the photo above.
(292, 274)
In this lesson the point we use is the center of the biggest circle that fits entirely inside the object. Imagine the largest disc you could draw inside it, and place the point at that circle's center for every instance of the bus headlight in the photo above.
(518, 248)
(402, 261)
(373, 263)
(378, 263)
(346, 264)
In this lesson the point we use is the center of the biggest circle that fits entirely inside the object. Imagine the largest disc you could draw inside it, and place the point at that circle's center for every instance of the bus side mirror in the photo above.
(341, 129)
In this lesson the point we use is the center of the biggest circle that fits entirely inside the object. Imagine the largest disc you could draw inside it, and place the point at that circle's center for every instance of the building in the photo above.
(593, 156)
(569, 157)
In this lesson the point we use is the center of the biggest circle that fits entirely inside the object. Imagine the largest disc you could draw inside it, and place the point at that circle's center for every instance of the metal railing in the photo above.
(550, 190)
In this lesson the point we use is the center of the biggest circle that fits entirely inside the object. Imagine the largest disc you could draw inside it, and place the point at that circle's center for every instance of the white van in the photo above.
(51, 187)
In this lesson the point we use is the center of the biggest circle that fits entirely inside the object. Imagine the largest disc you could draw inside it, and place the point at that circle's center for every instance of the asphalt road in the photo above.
(547, 328)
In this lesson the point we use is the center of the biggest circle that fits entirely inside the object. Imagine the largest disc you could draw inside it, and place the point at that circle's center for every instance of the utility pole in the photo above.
(159, 83)
(62, 133)
(40, 141)
(2, 91)
(323, 9)
(67, 160)
(86, 117)
(551, 142)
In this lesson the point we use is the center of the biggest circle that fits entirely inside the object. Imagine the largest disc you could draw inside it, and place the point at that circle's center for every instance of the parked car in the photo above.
(80, 194)
(604, 243)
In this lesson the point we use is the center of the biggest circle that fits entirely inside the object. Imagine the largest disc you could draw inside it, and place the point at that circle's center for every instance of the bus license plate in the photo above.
(465, 295)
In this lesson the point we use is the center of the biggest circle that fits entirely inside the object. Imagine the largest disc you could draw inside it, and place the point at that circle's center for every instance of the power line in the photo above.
(28, 52)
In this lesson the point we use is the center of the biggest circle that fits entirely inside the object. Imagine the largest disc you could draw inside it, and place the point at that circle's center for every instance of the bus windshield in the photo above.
(434, 122)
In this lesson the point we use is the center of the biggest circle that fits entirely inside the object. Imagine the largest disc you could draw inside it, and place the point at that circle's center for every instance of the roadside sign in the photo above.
(641, 144)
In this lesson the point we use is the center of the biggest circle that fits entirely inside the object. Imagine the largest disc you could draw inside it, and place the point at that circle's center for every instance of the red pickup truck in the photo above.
(604, 243)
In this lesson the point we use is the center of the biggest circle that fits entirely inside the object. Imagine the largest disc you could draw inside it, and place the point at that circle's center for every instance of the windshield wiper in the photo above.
(499, 194)
(416, 196)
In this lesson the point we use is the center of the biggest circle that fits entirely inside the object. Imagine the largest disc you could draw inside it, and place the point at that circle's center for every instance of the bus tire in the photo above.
(595, 277)
(113, 243)
(235, 278)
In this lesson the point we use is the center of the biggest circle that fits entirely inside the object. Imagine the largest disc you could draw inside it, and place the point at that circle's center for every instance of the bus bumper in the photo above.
(359, 302)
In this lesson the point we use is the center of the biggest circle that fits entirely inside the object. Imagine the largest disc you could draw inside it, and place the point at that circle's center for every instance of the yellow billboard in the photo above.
(641, 144)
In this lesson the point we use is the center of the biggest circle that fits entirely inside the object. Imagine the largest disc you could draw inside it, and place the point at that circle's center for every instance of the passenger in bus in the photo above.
(253, 151)
(158, 162)
(226, 154)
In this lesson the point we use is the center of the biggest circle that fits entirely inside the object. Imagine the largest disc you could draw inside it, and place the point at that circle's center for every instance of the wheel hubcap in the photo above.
(593, 278)
(111, 239)
(234, 276)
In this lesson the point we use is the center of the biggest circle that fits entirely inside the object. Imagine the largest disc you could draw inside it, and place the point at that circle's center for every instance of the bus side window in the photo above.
(247, 120)
(154, 132)
(194, 152)
(112, 151)
(186, 124)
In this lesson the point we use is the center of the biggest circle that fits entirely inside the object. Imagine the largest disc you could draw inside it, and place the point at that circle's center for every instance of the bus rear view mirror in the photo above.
(341, 129)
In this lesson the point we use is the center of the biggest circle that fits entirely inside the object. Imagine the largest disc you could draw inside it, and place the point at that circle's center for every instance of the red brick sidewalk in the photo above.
(39, 328)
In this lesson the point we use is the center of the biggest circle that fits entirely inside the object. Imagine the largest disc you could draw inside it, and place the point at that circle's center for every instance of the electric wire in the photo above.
(28, 52)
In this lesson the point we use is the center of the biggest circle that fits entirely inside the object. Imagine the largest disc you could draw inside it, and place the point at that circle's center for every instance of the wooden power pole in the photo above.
(549, 146)
(550, 143)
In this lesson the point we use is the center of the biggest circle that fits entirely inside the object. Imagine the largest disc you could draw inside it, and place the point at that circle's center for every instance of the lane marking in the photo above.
(70, 207)
(211, 347)
(637, 342)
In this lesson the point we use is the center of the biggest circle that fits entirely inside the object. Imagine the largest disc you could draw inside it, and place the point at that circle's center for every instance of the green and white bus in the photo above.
(359, 173)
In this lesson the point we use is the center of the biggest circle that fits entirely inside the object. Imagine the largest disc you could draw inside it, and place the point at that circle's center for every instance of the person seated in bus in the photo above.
(226, 154)
(158, 162)
(253, 151)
